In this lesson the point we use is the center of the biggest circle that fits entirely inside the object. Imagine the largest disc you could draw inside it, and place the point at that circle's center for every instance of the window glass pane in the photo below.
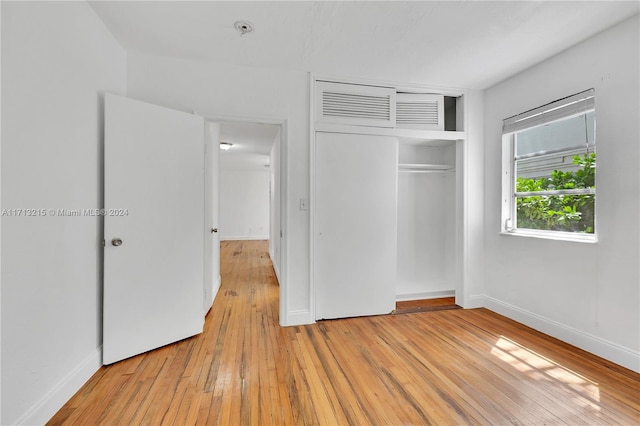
(560, 148)
(556, 135)
(568, 213)
(560, 170)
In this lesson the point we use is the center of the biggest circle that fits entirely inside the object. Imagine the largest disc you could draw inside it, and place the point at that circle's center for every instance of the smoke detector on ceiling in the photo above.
(244, 27)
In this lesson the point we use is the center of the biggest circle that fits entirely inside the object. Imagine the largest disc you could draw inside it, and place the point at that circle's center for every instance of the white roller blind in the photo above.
(557, 110)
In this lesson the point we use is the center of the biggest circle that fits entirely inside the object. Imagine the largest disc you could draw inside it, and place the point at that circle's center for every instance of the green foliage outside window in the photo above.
(569, 213)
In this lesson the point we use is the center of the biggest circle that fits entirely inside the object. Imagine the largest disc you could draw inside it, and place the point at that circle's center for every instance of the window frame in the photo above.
(528, 120)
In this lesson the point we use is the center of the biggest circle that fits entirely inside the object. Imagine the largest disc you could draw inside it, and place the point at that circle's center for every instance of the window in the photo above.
(549, 168)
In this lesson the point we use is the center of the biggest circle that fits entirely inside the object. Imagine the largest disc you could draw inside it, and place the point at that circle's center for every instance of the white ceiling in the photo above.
(465, 44)
(470, 44)
(251, 145)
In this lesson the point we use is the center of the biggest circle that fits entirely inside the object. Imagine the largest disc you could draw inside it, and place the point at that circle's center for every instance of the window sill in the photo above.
(554, 235)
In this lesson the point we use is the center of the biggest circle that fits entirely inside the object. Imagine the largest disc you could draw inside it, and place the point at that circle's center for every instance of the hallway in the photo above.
(440, 367)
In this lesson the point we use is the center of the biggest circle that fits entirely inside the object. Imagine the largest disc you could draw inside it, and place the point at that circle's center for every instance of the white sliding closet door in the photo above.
(355, 224)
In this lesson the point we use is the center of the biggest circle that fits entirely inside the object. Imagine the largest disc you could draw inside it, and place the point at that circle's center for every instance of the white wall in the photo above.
(57, 60)
(216, 90)
(470, 159)
(586, 294)
(244, 204)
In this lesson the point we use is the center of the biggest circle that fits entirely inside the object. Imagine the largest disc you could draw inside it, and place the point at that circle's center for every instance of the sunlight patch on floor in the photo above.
(581, 390)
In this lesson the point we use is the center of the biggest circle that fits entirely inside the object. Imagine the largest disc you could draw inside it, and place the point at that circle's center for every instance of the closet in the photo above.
(386, 196)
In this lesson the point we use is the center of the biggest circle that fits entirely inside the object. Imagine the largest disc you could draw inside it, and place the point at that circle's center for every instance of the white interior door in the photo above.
(355, 212)
(211, 213)
(154, 205)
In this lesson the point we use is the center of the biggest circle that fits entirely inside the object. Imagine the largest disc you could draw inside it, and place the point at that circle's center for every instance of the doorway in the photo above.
(251, 188)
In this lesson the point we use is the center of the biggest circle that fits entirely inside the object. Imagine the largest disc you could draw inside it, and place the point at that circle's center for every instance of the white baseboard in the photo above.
(300, 317)
(425, 295)
(52, 401)
(613, 352)
(477, 301)
(243, 237)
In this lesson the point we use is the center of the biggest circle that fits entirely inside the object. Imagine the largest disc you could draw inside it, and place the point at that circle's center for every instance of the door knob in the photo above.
(214, 230)
(116, 242)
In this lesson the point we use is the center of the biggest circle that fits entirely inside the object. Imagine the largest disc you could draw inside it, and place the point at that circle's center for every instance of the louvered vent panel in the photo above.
(354, 104)
(417, 113)
(420, 111)
(336, 104)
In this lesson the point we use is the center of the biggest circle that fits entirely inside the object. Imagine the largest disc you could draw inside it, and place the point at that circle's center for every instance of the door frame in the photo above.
(211, 187)
(284, 198)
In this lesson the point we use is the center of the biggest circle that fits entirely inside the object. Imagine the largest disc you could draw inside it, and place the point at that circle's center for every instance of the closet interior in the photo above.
(426, 220)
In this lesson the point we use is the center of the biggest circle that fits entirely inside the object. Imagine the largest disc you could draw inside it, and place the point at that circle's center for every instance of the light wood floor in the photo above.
(441, 367)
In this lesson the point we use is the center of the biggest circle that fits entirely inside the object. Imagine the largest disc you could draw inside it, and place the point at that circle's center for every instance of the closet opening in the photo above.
(426, 234)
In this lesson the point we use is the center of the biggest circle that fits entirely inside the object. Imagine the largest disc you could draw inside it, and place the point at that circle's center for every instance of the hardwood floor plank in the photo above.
(441, 301)
(432, 367)
(425, 305)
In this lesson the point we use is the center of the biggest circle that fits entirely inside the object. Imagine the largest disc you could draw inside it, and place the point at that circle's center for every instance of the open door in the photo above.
(153, 227)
